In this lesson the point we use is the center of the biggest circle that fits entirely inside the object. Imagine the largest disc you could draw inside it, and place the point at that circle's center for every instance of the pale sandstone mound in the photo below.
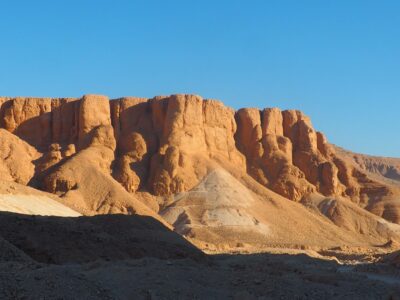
(20, 199)
(34, 205)
(220, 206)
(224, 212)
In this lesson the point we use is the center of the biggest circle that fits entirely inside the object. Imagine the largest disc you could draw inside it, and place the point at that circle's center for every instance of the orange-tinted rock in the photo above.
(130, 170)
(50, 158)
(125, 175)
(30, 119)
(345, 175)
(249, 133)
(64, 120)
(307, 137)
(16, 158)
(329, 179)
(308, 162)
(287, 155)
(69, 150)
(285, 145)
(388, 209)
(323, 146)
(219, 130)
(269, 153)
(291, 183)
(94, 111)
(168, 144)
(184, 123)
(159, 106)
(272, 121)
(195, 134)
(136, 141)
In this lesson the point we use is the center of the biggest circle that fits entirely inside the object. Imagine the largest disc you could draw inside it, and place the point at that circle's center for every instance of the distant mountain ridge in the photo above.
(388, 167)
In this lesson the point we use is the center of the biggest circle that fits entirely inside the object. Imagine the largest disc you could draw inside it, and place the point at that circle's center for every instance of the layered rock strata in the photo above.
(167, 144)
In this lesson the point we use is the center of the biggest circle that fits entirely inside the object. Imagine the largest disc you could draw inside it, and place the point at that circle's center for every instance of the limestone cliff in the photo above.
(166, 145)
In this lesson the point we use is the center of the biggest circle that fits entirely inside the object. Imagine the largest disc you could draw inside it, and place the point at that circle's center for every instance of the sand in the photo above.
(34, 205)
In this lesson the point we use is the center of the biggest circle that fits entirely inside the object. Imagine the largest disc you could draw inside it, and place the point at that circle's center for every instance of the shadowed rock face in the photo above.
(166, 145)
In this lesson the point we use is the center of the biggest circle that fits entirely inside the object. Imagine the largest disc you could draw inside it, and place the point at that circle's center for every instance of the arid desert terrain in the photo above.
(180, 197)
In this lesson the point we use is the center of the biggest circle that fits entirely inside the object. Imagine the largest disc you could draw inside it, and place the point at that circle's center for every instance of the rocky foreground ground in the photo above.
(128, 257)
(262, 276)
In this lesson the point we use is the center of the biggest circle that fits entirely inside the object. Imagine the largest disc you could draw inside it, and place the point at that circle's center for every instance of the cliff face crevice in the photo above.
(167, 144)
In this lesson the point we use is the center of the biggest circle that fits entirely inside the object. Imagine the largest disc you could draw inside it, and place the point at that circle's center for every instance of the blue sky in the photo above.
(339, 61)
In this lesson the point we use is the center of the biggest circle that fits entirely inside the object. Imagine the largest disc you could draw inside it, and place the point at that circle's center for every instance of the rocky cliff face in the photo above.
(384, 167)
(167, 145)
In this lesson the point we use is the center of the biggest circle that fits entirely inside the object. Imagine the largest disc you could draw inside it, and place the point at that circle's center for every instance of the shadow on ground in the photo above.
(58, 240)
(137, 257)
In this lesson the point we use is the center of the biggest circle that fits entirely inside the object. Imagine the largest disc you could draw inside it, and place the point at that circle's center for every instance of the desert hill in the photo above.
(222, 212)
(266, 176)
(22, 199)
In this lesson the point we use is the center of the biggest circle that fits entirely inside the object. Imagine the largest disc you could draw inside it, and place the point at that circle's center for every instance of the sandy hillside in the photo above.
(24, 200)
(35, 205)
(224, 212)
(220, 205)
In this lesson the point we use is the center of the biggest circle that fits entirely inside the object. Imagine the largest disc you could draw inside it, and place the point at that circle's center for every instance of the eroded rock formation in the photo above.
(167, 145)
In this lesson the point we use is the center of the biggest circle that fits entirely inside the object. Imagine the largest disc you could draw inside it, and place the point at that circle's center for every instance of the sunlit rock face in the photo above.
(168, 144)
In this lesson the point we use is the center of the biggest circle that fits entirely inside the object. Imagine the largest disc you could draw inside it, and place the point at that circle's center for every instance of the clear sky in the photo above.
(338, 61)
